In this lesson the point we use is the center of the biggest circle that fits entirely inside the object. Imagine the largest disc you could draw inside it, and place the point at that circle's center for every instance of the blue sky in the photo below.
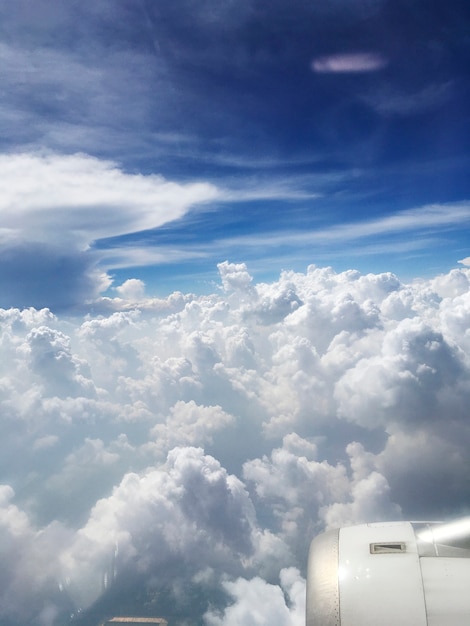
(325, 133)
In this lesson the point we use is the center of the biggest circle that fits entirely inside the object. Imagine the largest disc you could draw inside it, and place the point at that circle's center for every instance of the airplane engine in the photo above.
(390, 574)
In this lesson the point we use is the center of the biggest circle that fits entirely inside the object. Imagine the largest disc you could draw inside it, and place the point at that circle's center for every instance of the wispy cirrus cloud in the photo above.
(387, 101)
(431, 219)
(404, 232)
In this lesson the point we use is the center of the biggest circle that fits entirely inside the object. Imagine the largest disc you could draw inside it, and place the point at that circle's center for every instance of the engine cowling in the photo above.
(390, 574)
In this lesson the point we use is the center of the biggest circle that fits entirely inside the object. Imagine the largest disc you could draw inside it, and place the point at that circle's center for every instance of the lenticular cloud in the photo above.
(177, 458)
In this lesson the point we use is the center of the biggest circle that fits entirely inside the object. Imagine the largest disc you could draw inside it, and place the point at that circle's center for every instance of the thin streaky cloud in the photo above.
(388, 101)
(144, 256)
(418, 219)
(423, 218)
(381, 248)
(429, 218)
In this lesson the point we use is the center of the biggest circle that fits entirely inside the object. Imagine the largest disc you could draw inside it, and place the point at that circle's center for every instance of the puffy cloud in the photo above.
(190, 511)
(61, 374)
(369, 494)
(28, 564)
(234, 276)
(294, 487)
(258, 603)
(189, 424)
(303, 493)
(412, 379)
(202, 441)
(132, 289)
(456, 283)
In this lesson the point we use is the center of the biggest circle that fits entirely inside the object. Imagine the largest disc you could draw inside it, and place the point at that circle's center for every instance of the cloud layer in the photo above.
(204, 440)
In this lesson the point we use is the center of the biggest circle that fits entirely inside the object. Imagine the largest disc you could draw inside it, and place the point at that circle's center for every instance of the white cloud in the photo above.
(52, 362)
(54, 207)
(189, 511)
(28, 561)
(369, 494)
(85, 199)
(258, 603)
(405, 231)
(349, 62)
(132, 289)
(235, 276)
(410, 380)
(188, 424)
(320, 399)
(303, 492)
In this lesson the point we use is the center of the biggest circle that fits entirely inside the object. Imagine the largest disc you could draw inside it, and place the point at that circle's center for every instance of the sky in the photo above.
(234, 296)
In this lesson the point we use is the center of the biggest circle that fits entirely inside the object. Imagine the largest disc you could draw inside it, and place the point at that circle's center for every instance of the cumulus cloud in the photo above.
(258, 603)
(304, 494)
(189, 424)
(132, 289)
(415, 374)
(200, 442)
(28, 563)
(188, 512)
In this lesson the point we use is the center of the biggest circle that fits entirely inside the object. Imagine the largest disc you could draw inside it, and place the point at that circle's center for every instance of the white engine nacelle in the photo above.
(390, 574)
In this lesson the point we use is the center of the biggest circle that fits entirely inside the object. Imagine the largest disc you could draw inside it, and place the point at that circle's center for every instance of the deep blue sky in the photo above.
(303, 115)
